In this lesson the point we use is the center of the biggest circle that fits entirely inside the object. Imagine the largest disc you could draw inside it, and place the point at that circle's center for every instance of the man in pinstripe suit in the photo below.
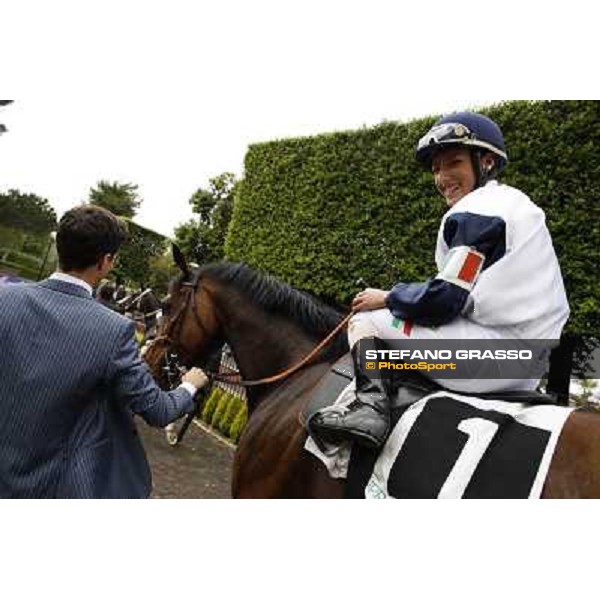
(71, 378)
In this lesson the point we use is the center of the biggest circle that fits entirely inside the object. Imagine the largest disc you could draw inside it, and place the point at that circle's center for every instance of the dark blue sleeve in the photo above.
(485, 234)
(436, 301)
(431, 304)
(133, 385)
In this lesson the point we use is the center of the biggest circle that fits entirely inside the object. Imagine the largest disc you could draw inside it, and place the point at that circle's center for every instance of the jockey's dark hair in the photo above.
(85, 234)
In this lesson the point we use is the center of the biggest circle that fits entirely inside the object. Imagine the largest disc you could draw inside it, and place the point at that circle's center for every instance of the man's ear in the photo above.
(107, 262)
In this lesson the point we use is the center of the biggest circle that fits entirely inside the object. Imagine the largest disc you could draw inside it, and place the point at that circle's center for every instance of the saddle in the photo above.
(425, 457)
(406, 388)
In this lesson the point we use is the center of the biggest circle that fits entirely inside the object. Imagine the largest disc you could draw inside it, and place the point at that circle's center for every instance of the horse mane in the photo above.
(314, 317)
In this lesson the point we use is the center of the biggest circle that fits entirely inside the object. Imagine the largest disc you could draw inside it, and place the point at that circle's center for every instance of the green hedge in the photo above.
(231, 410)
(142, 247)
(24, 265)
(223, 401)
(225, 412)
(239, 422)
(321, 211)
(210, 404)
(23, 252)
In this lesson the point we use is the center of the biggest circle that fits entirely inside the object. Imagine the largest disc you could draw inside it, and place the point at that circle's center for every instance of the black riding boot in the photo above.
(365, 421)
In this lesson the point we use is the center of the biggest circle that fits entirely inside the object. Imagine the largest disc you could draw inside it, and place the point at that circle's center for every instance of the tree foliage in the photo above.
(120, 198)
(27, 212)
(203, 237)
(161, 270)
(135, 259)
(26, 221)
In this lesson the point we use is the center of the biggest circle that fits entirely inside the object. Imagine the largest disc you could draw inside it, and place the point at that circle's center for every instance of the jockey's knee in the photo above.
(360, 326)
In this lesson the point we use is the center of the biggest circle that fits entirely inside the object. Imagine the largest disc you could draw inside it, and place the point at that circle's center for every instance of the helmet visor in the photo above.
(452, 134)
(446, 133)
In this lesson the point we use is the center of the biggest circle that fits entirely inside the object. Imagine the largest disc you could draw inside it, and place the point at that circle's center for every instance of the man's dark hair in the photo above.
(85, 234)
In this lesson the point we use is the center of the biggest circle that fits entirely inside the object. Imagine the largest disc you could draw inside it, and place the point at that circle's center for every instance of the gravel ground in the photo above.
(199, 467)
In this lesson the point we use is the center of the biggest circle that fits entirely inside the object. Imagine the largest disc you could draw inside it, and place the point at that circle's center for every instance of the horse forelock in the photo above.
(275, 297)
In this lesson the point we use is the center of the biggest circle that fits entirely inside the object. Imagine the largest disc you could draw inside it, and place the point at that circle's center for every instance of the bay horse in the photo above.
(270, 326)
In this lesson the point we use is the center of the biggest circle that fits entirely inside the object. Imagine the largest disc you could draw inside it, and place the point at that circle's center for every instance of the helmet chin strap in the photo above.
(482, 176)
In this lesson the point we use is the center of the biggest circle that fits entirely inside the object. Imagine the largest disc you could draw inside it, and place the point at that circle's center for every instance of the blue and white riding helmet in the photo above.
(463, 129)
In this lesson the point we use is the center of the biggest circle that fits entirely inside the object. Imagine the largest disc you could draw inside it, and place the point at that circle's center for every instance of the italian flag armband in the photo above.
(462, 267)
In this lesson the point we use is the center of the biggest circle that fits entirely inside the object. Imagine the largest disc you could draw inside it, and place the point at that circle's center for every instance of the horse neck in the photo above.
(262, 344)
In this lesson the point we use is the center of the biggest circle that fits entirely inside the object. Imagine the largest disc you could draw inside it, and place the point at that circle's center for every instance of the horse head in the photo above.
(189, 329)
(268, 324)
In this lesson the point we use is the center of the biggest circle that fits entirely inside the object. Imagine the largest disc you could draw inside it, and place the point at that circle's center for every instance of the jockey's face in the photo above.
(453, 173)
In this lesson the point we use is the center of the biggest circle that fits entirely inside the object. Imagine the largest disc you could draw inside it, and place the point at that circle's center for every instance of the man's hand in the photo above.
(196, 377)
(369, 299)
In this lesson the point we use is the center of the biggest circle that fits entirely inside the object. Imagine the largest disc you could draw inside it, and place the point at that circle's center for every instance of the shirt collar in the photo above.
(74, 280)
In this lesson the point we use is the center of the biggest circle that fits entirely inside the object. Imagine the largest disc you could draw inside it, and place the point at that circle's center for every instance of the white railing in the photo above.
(228, 365)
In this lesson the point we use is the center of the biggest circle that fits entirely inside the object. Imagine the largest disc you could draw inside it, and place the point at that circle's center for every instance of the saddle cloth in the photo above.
(448, 445)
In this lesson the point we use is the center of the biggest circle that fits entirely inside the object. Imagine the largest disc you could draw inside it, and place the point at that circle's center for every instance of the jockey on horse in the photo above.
(498, 276)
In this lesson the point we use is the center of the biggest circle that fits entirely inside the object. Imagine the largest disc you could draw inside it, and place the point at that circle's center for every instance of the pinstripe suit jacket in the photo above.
(70, 379)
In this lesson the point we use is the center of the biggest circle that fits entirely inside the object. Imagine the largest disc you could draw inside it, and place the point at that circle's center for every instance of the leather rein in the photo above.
(231, 377)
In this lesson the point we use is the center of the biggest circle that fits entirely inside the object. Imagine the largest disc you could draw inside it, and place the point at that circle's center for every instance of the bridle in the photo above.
(190, 296)
(233, 377)
(171, 365)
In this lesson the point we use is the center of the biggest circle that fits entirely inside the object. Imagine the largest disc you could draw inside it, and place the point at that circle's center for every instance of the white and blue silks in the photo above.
(498, 278)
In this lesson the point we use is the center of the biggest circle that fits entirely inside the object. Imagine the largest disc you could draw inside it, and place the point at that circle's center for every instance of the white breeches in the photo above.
(379, 323)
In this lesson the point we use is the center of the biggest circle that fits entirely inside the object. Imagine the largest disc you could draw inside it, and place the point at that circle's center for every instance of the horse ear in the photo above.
(180, 261)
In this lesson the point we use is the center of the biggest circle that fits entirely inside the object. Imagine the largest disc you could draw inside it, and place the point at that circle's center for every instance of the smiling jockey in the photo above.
(498, 275)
